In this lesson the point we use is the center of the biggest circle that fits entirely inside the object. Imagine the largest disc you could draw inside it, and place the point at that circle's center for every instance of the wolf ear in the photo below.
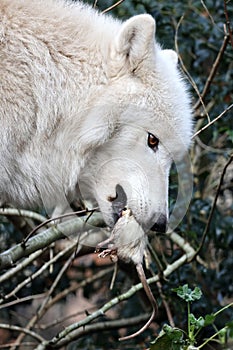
(135, 42)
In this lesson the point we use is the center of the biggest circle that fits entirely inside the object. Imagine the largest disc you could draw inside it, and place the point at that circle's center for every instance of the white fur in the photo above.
(78, 93)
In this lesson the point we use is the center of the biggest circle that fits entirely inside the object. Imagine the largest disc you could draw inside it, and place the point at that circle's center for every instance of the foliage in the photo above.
(200, 252)
(176, 339)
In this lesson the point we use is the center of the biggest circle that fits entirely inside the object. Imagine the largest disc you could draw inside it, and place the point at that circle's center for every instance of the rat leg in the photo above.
(106, 243)
(109, 251)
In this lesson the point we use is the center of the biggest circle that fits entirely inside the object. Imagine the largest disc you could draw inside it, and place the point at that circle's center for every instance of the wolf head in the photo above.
(139, 125)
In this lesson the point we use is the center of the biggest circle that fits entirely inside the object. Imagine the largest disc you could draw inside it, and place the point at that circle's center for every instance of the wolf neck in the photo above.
(63, 72)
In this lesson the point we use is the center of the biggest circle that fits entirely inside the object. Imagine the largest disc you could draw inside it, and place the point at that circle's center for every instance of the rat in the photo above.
(128, 242)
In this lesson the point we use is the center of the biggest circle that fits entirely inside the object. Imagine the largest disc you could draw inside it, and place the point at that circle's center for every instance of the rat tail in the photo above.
(141, 275)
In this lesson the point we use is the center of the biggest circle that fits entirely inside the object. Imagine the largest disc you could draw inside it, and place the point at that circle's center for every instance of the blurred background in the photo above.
(71, 287)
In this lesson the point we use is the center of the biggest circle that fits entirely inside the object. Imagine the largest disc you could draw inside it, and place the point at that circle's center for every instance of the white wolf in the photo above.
(88, 99)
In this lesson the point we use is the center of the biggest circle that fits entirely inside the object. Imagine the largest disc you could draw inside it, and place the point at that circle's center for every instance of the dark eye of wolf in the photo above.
(152, 141)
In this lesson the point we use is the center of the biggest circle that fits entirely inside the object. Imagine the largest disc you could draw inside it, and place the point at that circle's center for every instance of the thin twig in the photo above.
(228, 24)
(194, 85)
(45, 266)
(208, 12)
(213, 208)
(12, 272)
(189, 252)
(213, 121)
(77, 286)
(22, 300)
(185, 246)
(94, 4)
(22, 213)
(165, 304)
(22, 330)
(101, 326)
(44, 239)
(80, 212)
(63, 319)
(213, 71)
(207, 148)
(24, 345)
(113, 277)
(67, 332)
(110, 8)
(42, 310)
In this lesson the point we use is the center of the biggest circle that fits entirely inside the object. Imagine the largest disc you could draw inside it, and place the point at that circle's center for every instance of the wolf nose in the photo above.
(160, 225)
(119, 202)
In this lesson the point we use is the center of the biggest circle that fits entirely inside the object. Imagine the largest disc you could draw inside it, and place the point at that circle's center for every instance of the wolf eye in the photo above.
(152, 141)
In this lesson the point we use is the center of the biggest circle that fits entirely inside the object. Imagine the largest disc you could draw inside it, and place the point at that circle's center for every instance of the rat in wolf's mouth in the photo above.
(127, 242)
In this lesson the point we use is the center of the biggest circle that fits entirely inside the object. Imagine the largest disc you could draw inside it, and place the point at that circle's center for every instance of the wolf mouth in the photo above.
(119, 204)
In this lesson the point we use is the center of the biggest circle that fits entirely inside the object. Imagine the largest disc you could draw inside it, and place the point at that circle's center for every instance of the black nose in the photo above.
(160, 225)
(119, 202)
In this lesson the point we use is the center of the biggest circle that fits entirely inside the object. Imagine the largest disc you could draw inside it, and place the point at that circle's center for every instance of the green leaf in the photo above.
(196, 293)
(186, 293)
(192, 319)
(222, 335)
(197, 323)
(230, 329)
(162, 343)
(209, 319)
(169, 339)
(200, 322)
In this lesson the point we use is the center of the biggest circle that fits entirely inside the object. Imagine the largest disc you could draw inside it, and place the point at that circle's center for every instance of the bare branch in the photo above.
(213, 71)
(22, 330)
(9, 274)
(213, 207)
(26, 345)
(208, 12)
(100, 326)
(39, 271)
(95, 4)
(110, 8)
(22, 300)
(213, 121)
(52, 220)
(22, 213)
(74, 287)
(228, 24)
(43, 307)
(45, 238)
(68, 331)
(47, 303)
(165, 304)
(194, 85)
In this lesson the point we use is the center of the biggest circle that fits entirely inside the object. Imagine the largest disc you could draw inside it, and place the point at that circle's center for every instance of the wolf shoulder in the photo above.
(73, 80)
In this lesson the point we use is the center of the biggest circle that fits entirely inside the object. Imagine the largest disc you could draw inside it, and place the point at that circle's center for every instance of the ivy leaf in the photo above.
(186, 293)
(230, 328)
(197, 323)
(162, 342)
(192, 319)
(169, 338)
(209, 319)
(222, 334)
